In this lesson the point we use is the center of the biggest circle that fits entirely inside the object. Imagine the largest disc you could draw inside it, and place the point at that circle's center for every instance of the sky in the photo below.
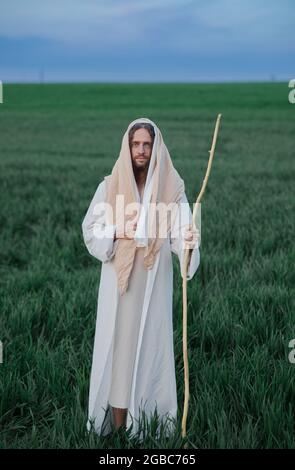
(146, 41)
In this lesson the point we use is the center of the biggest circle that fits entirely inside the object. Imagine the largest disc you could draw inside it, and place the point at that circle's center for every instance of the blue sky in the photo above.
(147, 41)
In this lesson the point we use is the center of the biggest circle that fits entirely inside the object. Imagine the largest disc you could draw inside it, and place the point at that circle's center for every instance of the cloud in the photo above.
(185, 25)
(74, 20)
(138, 35)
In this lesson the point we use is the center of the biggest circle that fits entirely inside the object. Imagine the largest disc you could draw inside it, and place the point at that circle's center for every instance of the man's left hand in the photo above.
(191, 237)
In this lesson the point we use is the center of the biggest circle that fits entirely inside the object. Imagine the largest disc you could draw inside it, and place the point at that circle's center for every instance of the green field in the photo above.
(57, 143)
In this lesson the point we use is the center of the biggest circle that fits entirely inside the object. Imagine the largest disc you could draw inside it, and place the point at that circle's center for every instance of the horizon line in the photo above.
(137, 82)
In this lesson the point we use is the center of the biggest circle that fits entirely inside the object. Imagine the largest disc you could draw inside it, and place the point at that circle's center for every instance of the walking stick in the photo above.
(184, 284)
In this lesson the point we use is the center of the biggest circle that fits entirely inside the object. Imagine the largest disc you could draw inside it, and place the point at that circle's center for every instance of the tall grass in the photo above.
(57, 143)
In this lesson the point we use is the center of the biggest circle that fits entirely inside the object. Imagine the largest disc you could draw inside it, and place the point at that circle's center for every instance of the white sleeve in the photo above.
(182, 219)
(97, 234)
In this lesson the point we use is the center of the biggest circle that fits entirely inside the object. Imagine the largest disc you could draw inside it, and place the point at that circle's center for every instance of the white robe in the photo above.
(154, 382)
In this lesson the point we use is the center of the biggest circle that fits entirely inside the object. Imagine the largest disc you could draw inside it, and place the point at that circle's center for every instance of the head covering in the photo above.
(163, 185)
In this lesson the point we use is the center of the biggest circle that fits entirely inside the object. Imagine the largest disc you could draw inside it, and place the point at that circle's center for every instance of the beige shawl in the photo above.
(166, 186)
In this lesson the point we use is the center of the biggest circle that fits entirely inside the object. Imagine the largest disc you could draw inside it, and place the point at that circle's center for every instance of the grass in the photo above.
(57, 143)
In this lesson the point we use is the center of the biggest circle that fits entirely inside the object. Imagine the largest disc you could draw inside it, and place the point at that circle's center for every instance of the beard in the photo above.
(140, 168)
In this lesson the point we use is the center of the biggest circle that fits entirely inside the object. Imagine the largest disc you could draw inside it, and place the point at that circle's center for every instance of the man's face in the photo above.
(141, 149)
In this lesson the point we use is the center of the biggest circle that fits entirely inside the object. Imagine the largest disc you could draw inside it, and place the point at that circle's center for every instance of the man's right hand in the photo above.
(129, 227)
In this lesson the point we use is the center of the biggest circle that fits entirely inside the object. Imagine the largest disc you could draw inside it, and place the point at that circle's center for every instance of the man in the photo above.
(133, 358)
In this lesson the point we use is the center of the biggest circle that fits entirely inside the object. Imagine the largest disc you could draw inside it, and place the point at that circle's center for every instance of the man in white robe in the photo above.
(153, 382)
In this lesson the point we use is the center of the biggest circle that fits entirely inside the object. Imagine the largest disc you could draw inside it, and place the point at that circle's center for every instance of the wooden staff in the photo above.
(184, 283)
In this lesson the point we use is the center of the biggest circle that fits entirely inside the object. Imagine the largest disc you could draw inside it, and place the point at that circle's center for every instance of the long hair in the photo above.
(141, 125)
